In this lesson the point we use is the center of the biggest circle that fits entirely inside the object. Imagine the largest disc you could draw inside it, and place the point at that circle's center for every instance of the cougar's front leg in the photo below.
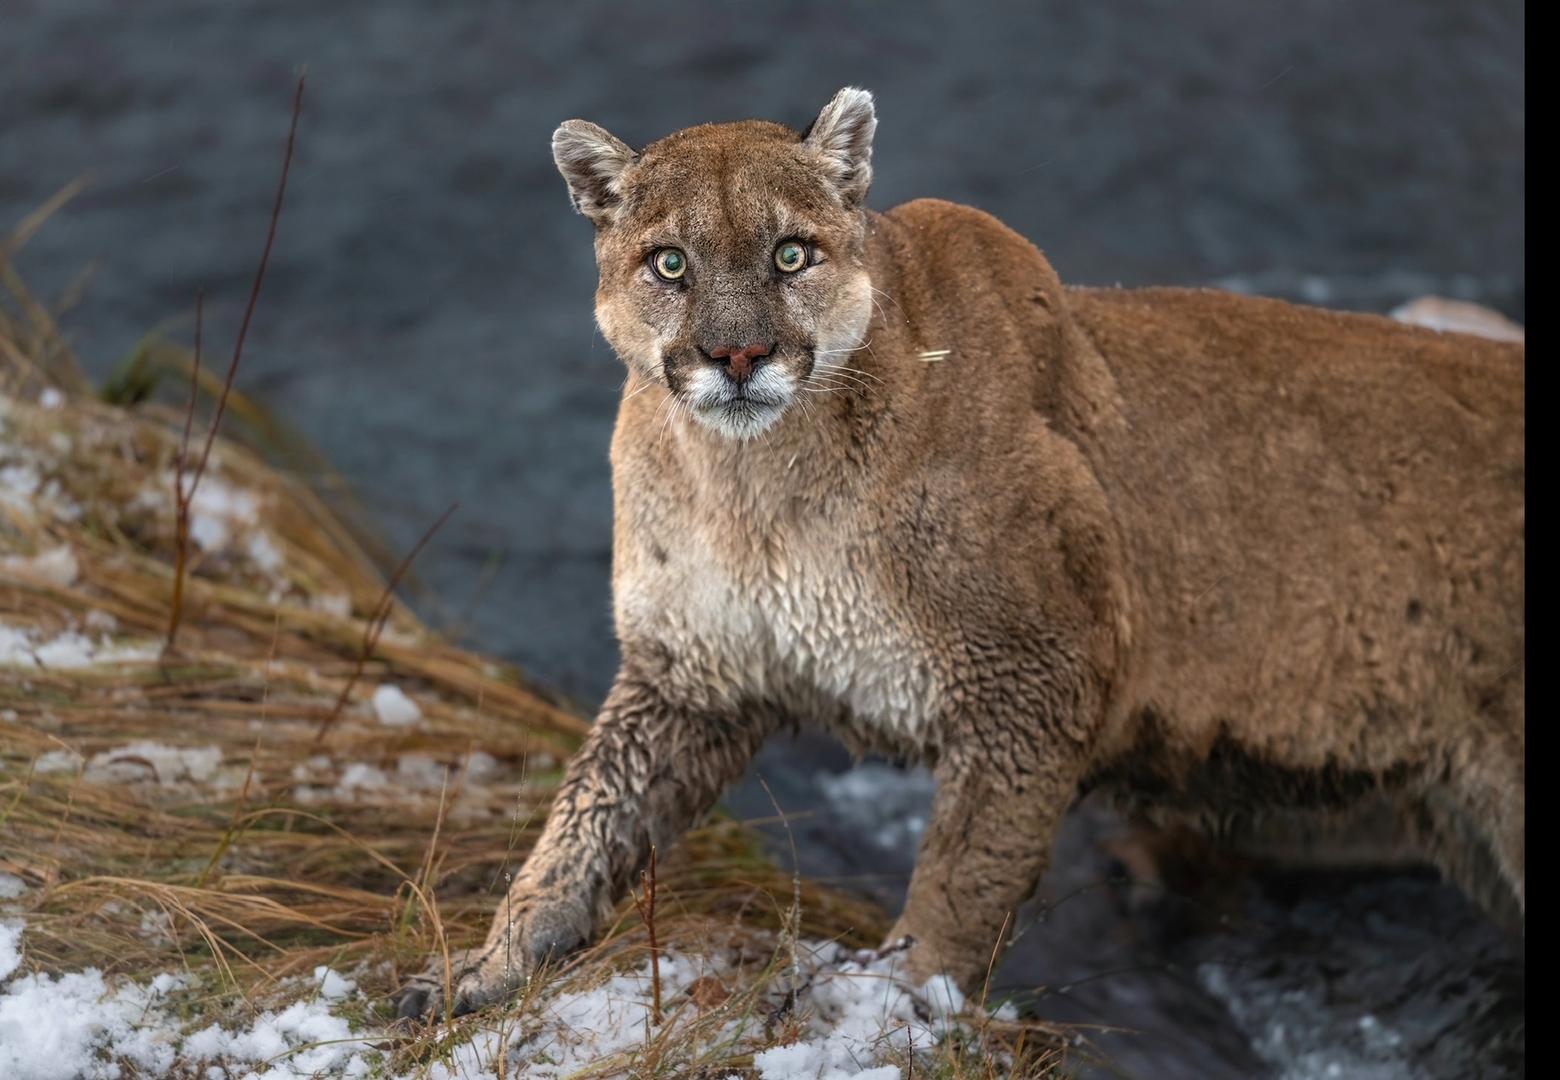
(998, 803)
(648, 770)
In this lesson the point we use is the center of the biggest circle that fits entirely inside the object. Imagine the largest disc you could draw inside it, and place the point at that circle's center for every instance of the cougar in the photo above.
(1245, 562)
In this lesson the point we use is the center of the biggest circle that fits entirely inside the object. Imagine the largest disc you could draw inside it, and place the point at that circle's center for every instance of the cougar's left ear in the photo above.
(592, 162)
(842, 136)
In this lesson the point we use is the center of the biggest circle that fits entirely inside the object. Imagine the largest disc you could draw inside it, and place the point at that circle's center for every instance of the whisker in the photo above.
(832, 352)
(849, 379)
(647, 385)
(854, 371)
(879, 309)
(666, 423)
(891, 300)
(815, 380)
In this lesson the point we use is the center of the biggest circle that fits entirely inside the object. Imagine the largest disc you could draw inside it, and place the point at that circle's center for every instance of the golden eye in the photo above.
(670, 263)
(791, 256)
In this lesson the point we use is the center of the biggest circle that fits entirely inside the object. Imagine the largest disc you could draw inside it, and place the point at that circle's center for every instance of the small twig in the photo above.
(184, 496)
(377, 621)
(254, 288)
(645, 902)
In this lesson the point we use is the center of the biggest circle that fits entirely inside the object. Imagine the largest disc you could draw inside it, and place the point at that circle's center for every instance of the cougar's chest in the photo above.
(802, 617)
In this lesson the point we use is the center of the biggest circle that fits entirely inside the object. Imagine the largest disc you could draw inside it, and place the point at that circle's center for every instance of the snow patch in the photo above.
(57, 566)
(167, 765)
(394, 708)
(856, 1008)
(75, 1025)
(21, 647)
(216, 509)
(10, 948)
(358, 776)
(332, 985)
(58, 761)
(262, 552)
(420, 771)
(57, 1027)
(859, 1008)
(18, 485)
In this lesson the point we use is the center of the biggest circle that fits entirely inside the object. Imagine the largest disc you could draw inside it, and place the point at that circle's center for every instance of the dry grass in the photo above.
(260, 868)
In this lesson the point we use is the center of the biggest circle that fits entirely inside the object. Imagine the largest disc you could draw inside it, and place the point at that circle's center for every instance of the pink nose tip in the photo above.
(739, 361)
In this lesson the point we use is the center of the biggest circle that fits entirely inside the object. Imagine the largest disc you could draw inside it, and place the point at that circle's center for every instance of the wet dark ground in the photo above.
(427, 322)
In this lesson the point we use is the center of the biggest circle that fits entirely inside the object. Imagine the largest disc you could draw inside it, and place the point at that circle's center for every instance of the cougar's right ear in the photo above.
(842, 137)
(592, 162)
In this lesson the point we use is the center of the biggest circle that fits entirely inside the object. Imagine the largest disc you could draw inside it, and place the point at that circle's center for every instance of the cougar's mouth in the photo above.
(744, 410)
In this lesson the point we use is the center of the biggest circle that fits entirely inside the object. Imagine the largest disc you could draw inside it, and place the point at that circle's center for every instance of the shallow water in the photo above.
(427, 323)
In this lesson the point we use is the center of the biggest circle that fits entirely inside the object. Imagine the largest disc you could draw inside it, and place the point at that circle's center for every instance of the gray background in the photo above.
(427, 320)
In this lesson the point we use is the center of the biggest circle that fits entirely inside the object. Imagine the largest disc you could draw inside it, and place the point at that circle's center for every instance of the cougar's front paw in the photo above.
(470, 978)
(539, 931)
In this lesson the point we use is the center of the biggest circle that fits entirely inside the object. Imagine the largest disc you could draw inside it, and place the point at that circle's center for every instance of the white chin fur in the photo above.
(740, 419)
(715, 403)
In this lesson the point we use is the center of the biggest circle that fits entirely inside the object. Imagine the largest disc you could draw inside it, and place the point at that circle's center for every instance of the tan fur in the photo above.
(1241, 558)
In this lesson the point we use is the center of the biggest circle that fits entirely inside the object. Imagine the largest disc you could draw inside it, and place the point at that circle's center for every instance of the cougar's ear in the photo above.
(842, 136)
(592, 162)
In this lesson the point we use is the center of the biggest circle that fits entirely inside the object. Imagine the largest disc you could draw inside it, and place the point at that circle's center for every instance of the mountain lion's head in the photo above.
(732, 256)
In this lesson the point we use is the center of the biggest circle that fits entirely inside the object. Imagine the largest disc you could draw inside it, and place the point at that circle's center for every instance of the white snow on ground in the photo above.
(394, 708)
(218, 509)
(54, 761)
(853, 1007)
(25, 647)
(861, 1008)
(11, 886)
(100, 621)
(10, 948)
(18, 484)
(141, 761)
(358, 775)
(263, 553)
(480, 767)
(57, 566)
(223, 519)
(23, 489)
(421, 771)
(77, 1025)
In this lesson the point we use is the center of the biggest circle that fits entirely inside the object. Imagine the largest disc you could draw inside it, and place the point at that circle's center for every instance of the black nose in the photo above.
(740, 361)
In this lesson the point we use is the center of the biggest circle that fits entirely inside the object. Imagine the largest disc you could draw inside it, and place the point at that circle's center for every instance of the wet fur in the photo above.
(1238, 559)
